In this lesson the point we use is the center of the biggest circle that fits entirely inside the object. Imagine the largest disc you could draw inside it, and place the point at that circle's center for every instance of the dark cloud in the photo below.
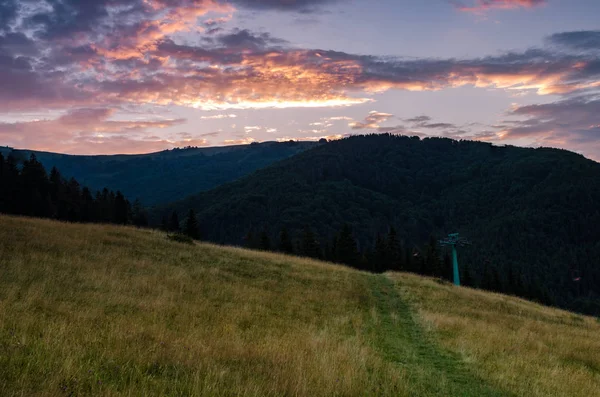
(582, 40)
(438, 125)
(302, 6)
(418, 119)
(64, 18)
(572, 123)
(248, 40)
(18, 44)
(214, 30)
(8, 13)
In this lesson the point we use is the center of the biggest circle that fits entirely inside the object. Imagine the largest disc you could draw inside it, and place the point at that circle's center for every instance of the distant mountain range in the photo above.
(533, 215)
(169, 175)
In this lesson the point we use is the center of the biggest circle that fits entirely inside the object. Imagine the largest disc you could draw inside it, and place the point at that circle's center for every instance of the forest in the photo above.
(532, 215)
(27, 189)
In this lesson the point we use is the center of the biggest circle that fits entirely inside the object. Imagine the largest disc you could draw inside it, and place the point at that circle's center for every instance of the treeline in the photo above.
(390, 253)
(27, 189)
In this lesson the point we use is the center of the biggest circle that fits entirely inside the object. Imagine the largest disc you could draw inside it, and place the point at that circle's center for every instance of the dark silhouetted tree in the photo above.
(191, 227)
(174, 225)
(380, 255)
(265, 241)
(346, 248)
(394, 251)
(121, 209)
(138, 214)
(285, 242)
(309, 246)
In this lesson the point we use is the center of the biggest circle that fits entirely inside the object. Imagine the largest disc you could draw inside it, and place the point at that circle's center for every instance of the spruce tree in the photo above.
(285, 242)
(433, 264)
(121, 210)
(309, 245)
(265, 242)
(138, 214)
(174, 225)
(394, 251)
(381, 255)
(191, 228)
(346, 248)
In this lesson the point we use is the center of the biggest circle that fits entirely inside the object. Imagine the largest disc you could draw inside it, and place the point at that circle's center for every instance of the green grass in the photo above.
(104, 310)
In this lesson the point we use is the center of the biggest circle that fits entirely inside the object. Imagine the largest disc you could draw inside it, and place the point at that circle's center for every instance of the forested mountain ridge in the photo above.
(169, 175)
(532, 214)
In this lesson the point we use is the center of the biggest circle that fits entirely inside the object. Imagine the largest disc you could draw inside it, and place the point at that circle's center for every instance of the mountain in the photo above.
(532, 215)
(168, 175)
(107, 310)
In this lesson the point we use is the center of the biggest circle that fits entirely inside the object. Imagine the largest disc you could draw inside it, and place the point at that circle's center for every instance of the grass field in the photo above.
(104, 310)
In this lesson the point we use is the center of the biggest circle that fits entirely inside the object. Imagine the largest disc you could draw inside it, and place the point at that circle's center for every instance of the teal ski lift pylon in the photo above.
(454, 240)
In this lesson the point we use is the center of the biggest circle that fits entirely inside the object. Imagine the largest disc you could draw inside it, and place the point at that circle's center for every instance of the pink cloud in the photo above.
(482, 6)
(91, 131)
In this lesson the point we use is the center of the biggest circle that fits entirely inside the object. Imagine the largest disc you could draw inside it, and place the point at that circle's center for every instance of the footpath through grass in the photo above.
(402, 341)
(525, 348)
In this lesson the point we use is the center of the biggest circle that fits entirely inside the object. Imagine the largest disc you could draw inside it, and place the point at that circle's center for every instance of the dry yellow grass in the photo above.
(90, 309)
(526, 348)
(105, 310)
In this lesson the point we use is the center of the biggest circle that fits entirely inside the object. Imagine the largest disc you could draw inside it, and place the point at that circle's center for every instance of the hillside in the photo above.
(90, 309)
(169, 175)
(532, 215)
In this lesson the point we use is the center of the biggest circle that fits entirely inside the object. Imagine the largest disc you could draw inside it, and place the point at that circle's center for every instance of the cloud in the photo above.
(244, 39)
(302, 6)
(372, 121)
(135, 58)
(219, 117)
(581, 40)
(424, 122)
(482, 6)
(241, 141)
(418, 119)
(333, 137)
(573, 124)
(65, 54)
(88, 130)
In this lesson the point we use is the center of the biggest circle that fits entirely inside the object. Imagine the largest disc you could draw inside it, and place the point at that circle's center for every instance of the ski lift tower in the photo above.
(453, 240)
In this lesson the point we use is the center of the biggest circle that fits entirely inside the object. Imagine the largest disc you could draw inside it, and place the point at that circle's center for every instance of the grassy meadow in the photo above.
(525, 348)
(105, 310)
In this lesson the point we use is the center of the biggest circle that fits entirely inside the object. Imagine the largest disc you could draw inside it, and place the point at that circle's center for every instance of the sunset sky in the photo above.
(136, 76)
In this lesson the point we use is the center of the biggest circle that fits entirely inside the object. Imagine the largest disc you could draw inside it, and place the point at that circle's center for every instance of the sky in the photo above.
(139, 76)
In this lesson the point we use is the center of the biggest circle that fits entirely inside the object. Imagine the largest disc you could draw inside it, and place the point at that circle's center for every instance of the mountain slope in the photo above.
(89, 309)
(169, 175)
(532, 214)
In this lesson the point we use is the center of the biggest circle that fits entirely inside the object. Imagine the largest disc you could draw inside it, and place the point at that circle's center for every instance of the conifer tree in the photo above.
(174, 225)
(380, 255)
(285, 242)
(346, 248)
(394, 251)
(164, 223)
(138, 214)
(191, 228)
(265, 242)
(432, 263)
(309, 245)
(120, 209)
